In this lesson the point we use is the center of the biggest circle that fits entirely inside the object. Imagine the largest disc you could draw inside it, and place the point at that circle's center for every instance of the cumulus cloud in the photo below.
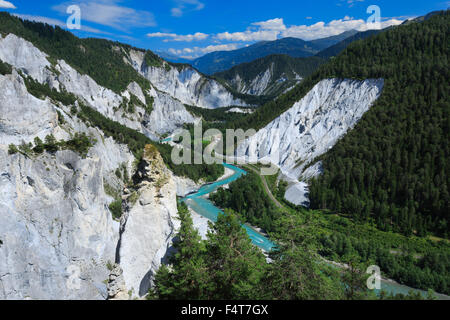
(258, 31)
(259, 35)
(181, 38)
(196, 51)
(273, 29)
(335, 27)
(7, 5)
(109, 13)
(273, 24)
(186, 5)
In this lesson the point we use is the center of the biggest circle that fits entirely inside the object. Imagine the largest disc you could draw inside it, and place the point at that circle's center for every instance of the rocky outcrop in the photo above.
(57, 234)
(185, 84)
(310, 128)
(167, 116)
(186, 186)
(117, 289)
(149, 225)
(257, 86)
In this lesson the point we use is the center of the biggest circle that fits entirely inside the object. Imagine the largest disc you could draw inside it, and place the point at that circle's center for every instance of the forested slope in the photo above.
(283, 73)
(393, 166)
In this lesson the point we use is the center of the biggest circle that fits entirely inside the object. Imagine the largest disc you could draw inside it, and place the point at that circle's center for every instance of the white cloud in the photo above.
(260, 35)
(108, 13)
(273, 24)
(275, 28)
(186, 5)
(176, 37)
(59, 23)
(198, 51)
(335, 27)
(7, 5)
(258, 31)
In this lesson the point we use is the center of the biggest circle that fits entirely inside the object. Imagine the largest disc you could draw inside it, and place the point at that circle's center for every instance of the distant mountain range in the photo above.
(223, 60)
(275, 74)
(337, 48)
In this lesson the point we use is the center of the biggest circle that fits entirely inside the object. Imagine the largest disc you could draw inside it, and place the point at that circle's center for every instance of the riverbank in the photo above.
(391, 286)
(198, 203)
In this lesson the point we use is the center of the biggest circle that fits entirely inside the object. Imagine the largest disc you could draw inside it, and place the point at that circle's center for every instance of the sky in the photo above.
(192, 28)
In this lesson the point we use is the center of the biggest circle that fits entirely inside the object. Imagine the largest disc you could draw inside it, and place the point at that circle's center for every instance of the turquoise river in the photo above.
(200, 204)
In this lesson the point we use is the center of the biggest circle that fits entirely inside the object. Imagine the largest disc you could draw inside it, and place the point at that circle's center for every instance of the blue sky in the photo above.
(191, 28)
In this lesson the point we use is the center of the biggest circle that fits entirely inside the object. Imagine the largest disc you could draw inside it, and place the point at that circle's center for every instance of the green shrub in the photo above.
(12, 149)
(116, 209)
(5, 68)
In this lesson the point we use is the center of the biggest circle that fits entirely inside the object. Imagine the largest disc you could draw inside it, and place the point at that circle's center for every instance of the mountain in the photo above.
(368, 131)
(334, 50)
(269, 76)
(297, 48)
(330, 41)
(114, 65)
(89, 201)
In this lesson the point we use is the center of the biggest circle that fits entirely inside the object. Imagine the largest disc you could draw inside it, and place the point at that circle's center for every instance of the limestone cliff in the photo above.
(58, 239)
(149, 225)
(310, 128)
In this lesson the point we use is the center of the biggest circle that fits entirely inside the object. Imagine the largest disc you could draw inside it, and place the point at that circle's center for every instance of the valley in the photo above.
(95, 205)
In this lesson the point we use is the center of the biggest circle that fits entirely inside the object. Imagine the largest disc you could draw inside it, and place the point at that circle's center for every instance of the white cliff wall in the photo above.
(149, 225)
(57, 236)
(311, 127)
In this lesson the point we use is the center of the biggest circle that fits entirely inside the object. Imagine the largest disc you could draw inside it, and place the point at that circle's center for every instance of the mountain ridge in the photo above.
(222, 60)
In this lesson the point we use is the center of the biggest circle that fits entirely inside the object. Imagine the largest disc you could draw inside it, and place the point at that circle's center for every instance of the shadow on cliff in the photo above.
(146, 282)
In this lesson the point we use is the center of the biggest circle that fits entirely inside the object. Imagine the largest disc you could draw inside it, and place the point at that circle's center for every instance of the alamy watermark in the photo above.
(73, 282)
(74, 20)
(374, 281)
(191, 150)
(374, 21)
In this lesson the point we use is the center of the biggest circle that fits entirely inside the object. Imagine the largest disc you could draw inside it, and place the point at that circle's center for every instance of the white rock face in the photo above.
(25, 57)
(18, 123)
(311, 127)
(240, 110)
(168, 113)
(257, 86)
(185, 84)
(185, 186)
(57, 233)
(260, 83)
(149, 226)
(264, 83)
(167, 116)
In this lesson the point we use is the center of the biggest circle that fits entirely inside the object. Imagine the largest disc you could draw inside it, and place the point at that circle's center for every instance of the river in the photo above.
(200, 204)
